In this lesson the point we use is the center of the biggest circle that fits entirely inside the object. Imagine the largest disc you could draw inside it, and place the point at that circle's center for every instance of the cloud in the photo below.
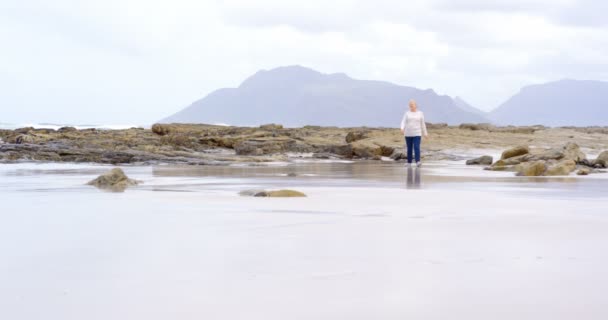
(138, 61)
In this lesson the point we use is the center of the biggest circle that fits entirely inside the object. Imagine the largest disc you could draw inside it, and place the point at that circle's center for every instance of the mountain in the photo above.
(297, 96)
(559, 103)
(468, 108)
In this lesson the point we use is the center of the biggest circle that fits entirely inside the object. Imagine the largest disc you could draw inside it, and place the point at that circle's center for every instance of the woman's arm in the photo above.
(403, 122)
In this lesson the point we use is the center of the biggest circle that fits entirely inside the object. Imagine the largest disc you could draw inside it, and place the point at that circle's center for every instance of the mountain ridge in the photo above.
(297, 96)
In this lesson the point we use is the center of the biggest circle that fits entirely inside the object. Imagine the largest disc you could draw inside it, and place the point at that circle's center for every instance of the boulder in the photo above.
(562, 168)
(514, 152)
(114, 180)
(161, 129)
(603, 157)
(355, 136)
(483, 160)
(573, 152)
(531, 169)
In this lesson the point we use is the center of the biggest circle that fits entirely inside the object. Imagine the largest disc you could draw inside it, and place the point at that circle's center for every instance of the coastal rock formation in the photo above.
(200, 144)
(555, 161)
(114, 180)
(483, 160)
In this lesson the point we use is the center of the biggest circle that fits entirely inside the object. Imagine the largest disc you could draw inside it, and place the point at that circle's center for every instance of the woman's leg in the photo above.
(416, 143)
(410, 144)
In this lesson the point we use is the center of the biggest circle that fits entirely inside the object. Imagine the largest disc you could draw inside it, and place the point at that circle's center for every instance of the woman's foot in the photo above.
(419, 164)
(409, 164)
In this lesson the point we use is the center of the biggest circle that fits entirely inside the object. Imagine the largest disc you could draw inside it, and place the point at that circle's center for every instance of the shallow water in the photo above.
(371, 241)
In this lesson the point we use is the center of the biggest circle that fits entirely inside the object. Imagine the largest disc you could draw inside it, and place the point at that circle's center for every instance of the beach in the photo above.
(449, 241)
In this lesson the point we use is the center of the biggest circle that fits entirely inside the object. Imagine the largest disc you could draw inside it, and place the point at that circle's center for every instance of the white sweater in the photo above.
(413, 123)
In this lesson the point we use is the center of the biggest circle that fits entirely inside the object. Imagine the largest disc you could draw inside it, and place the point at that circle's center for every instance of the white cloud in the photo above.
(138, 61)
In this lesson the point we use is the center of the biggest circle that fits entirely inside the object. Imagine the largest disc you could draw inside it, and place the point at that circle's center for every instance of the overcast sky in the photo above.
(137, 61)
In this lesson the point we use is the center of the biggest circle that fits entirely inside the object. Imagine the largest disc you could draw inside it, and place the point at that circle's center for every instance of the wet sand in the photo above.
(369, 242)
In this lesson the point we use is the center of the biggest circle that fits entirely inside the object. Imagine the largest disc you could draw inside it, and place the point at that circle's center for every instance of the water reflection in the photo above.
(413, 178)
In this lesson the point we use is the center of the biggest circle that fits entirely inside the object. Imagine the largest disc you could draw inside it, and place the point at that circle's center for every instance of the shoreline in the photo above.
(201, 144)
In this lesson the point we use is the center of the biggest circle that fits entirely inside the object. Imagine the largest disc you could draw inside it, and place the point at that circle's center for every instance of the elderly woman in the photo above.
(413, 128)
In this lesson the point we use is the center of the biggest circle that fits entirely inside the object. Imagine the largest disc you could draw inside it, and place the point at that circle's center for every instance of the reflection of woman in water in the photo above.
(413, 128)
(413, 178)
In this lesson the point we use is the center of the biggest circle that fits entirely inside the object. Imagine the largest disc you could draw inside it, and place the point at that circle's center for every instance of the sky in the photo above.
(137, 61)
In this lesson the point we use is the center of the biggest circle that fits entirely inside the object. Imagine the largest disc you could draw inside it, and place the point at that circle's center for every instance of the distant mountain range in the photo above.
(559, 103)
(297, 96)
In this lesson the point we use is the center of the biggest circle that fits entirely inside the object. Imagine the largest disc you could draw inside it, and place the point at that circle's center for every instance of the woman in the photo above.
(413, 128)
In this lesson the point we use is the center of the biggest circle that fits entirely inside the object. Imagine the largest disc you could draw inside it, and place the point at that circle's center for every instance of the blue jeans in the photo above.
(413, 145)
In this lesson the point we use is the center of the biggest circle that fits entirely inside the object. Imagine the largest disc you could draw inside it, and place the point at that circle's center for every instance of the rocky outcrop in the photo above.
(483, 160)
(558, 161)
(114, 180)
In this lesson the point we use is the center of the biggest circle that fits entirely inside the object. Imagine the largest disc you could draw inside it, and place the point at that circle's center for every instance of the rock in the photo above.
(66, 129)
(398, 155)
(271, 126)
(476, 126)
(161, 129)
(356, 136)
(178, 140)
(583, 172)
(573, 152)
(562, 168)
(280, 194)
(292, 174)
(24, 130)
(343, 150)
(268, 146)
(115, 180)
(514, 152)
(24, 138)
(530, 169)
(603, 157)
(483, 160)
(251, 192)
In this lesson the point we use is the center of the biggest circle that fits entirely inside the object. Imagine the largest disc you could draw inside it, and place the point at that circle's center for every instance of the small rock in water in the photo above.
(114, 180)
(291, 174)
(583, 172)
(285, 193)
(483, 160)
